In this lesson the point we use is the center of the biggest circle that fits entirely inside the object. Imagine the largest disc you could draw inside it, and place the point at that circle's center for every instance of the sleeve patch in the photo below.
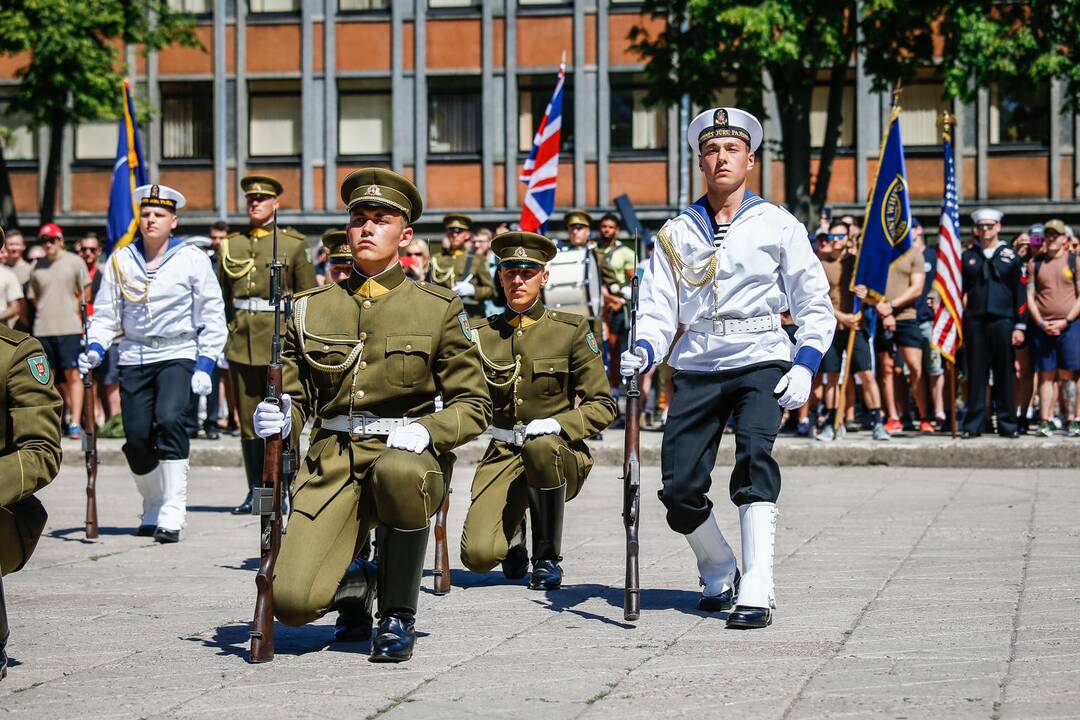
(463, 320)
(39, 368)
(591, 339)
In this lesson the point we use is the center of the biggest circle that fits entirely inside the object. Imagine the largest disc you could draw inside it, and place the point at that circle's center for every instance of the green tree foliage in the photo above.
(74, 51)
(795, 44)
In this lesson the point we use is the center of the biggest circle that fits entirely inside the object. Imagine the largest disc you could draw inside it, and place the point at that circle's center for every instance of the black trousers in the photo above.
(700, 408)
(213, 401)
(988, 345)
(153, 401)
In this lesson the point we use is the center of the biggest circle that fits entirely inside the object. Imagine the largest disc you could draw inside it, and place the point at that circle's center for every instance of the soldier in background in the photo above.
(244, 273)
(338, 257)
(460, 269)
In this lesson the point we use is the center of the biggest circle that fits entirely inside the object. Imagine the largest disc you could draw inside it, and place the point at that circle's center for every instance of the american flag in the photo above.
(948, 334)
(541, 170)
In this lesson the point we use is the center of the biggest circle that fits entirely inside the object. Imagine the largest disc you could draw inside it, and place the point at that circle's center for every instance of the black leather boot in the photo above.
(401, 555)
(3, 633)
(723, 601)
(749, 618)
(253, 451)
(354, 600)
(516, 563)
(546, 508)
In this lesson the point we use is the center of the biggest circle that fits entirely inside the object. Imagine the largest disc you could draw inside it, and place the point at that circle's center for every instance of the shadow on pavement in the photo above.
(211, 508)
(564, 600)
(684, 601)
(251, 564)
(233, 639)
(79, 532)
(466, 579)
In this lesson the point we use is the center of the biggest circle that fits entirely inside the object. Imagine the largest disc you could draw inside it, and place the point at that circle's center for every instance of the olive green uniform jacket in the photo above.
(447, 269)
(30, 452)
(540, 364)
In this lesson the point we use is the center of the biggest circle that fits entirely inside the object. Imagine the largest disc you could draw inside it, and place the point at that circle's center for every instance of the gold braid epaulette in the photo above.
(440, 275)
(243, 266)
(680, 266)
(516, 366)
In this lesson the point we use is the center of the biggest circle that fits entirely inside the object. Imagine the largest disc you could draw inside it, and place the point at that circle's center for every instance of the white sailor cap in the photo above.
(987, 215)
(159, 196)
(724, 122)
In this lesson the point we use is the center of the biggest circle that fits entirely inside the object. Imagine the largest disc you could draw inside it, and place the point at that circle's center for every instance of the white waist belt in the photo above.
(253, 304)
(363, 424)
(162, 342)
(515, 436)
(736, 326)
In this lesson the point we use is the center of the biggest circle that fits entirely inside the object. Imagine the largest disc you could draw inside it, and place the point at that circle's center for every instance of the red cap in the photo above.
(50, 230)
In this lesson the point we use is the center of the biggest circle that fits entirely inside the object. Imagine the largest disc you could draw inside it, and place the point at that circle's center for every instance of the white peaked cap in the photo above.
(724, 122)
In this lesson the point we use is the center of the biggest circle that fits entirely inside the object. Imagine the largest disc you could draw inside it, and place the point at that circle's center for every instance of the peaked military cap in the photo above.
(987, 215)
(379, 186)
(577, 217)
(161, 196)
(261, 185)
(521, 249)
(336, 243)
(457, 220)
(724, 122)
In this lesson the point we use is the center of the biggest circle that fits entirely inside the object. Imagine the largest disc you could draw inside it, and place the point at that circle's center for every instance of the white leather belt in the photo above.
(253, 304)
(736, 326)
(515, 436)
(363, 424)
(162, 342)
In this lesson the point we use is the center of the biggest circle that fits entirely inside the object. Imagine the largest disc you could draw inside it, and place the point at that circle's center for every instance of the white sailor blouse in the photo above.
(173, 311)
(725, 290)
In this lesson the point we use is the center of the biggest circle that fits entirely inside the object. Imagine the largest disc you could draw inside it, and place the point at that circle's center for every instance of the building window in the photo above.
(534, 94)
(347, 5)
(364, 118)
(274, 6)
(635, 126)
(819, 115)
(274, 121)
(97, 140)
(1020, 118)
(454, 116)
(187, 121)
(453, 3)
(17, 138)
(922, 106)
(197, 7)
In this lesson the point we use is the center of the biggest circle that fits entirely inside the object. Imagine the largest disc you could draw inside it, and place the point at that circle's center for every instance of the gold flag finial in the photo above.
(946, 121)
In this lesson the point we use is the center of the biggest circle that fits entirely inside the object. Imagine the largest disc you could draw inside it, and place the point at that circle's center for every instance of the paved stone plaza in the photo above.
(903, 593)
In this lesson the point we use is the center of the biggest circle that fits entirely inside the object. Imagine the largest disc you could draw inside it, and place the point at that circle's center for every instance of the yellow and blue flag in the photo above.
(129, 172)
(887, 224)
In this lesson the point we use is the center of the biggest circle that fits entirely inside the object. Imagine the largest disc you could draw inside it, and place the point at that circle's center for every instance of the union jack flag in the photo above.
(541, 170)
(948, 332)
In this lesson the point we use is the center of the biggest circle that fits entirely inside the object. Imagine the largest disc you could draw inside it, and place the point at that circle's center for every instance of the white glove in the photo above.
(413, 437)
(794, 388)
(222, 363)
(627, 292)
(88, 360)
(270, 419)
(633, 360)
(200, 383)
(464, 289)
(544, 426)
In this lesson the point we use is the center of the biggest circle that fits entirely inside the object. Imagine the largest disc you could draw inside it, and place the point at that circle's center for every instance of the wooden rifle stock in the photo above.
(632, 471)
(89, 438)
(441, 572)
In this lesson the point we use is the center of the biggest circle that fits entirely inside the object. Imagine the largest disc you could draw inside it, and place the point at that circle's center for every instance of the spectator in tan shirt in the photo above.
(1053, 292)
(55, 287)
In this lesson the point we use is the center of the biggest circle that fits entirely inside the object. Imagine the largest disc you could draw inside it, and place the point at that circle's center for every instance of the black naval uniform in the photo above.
(996, 305)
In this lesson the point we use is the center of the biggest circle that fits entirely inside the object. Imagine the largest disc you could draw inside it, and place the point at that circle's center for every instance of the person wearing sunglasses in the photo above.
(243, 270)
(460, 269)
(417, 260)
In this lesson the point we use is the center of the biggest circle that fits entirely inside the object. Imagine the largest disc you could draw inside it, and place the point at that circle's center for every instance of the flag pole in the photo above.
(946, 121)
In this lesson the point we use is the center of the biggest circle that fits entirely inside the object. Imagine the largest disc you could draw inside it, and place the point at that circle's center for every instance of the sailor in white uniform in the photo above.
(725, 269)
(162, 294)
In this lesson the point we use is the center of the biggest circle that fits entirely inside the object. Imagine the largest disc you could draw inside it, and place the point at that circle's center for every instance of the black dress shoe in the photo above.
(516, 563)
(395, 639)
(243, 508)
(749, 618)
(546, 575)
(348, 628)
(212, 432)
(162, 535)
(723, 601)
(353, 601)
(145, 530)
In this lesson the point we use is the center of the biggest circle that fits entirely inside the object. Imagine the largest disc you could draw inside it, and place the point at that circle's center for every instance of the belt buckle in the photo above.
(719, 326)
(519, 435)
(155, 343)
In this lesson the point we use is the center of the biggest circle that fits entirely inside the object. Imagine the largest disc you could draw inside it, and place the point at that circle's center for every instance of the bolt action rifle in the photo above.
(632, 466)
(89, 438)
(277, 468)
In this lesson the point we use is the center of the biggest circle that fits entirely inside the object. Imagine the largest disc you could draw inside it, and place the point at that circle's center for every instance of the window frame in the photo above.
(77, 162)
(252, 95)
(619, 81)
(13, 163)
(163, 94)
(534, 84)
(465, 89)
(366, 13)
(1023, 147)
(388, 91)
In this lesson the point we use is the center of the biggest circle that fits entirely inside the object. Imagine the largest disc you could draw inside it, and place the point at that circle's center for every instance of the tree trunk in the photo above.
(794, 87)
(9, 218)
(52, 169)
(833, 120)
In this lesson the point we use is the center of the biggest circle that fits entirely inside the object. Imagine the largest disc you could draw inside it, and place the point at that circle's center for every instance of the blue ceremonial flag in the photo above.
(129, 172)
(887, 224)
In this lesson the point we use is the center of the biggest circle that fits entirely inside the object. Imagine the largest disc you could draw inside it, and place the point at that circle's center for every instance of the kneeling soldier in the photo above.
(368, 356)
(538, 363)
(30, 408)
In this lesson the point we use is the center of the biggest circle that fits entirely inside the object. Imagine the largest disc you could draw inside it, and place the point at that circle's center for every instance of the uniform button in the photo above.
(363, 364)
(408, 347)
(363, 336)
(359, 393)
(367, 304)
(518, 356)
(519, 401)
(551, 369)
(325, 347)
(519, 333)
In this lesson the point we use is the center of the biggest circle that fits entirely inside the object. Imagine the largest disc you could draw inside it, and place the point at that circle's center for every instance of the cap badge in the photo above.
(374, 190)
(720, 117)
(520, 252)
(155, 191)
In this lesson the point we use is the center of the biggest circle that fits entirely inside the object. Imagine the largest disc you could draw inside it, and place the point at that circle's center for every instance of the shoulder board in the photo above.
(314, 290)
(484, 322)
(437, 290)
(565, 317)
(14, 337)
(293, 232)
(235, 234)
